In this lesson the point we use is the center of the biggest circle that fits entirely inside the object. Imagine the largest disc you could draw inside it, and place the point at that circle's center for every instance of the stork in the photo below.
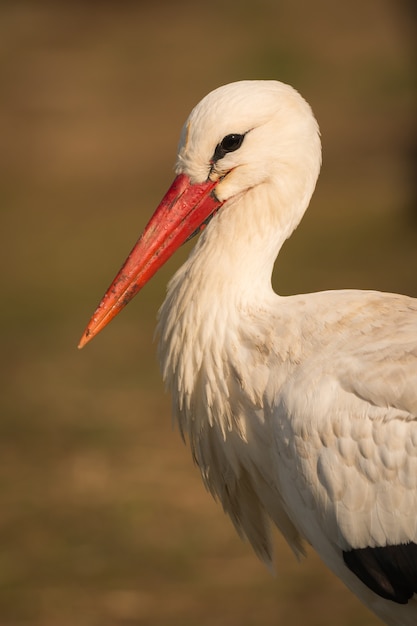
(300, 411)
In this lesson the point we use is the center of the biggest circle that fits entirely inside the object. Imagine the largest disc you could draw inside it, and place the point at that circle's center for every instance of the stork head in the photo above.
(239, 137)
(247, 133)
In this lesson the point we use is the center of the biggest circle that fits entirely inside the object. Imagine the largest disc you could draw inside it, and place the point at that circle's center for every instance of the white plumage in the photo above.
(299, 410)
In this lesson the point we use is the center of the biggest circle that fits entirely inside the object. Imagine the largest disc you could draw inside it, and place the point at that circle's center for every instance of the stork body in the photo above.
(300, 410)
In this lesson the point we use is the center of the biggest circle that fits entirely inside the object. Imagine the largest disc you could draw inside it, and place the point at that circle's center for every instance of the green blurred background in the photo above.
(103, 519)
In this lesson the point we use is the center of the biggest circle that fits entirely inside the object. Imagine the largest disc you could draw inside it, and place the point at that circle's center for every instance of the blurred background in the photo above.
(103, 517)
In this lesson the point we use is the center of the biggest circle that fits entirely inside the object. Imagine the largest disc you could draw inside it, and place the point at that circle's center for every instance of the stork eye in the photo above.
(230, 143)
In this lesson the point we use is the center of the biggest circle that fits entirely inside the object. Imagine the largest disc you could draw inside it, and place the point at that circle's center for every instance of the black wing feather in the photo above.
(390, 571)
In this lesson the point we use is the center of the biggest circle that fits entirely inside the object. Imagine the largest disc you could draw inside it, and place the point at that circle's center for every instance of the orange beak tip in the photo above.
(84, 339)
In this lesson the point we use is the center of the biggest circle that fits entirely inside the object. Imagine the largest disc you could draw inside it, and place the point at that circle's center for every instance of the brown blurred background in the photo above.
(103, 519)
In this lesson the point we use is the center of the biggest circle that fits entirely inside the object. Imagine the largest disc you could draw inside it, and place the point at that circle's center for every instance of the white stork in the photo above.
(300, 410)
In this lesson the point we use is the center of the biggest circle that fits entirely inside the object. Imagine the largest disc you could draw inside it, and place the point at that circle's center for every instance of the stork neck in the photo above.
(235, 255)
(216, 300)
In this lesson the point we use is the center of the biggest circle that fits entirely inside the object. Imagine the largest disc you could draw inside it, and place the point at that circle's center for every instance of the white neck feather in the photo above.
(214, 336)
(218, 297)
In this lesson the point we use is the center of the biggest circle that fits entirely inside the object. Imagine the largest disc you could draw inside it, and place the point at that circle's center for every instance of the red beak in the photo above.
(183, 211)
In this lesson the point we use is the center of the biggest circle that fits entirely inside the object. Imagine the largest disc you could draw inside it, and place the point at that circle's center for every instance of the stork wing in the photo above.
(346, 429)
